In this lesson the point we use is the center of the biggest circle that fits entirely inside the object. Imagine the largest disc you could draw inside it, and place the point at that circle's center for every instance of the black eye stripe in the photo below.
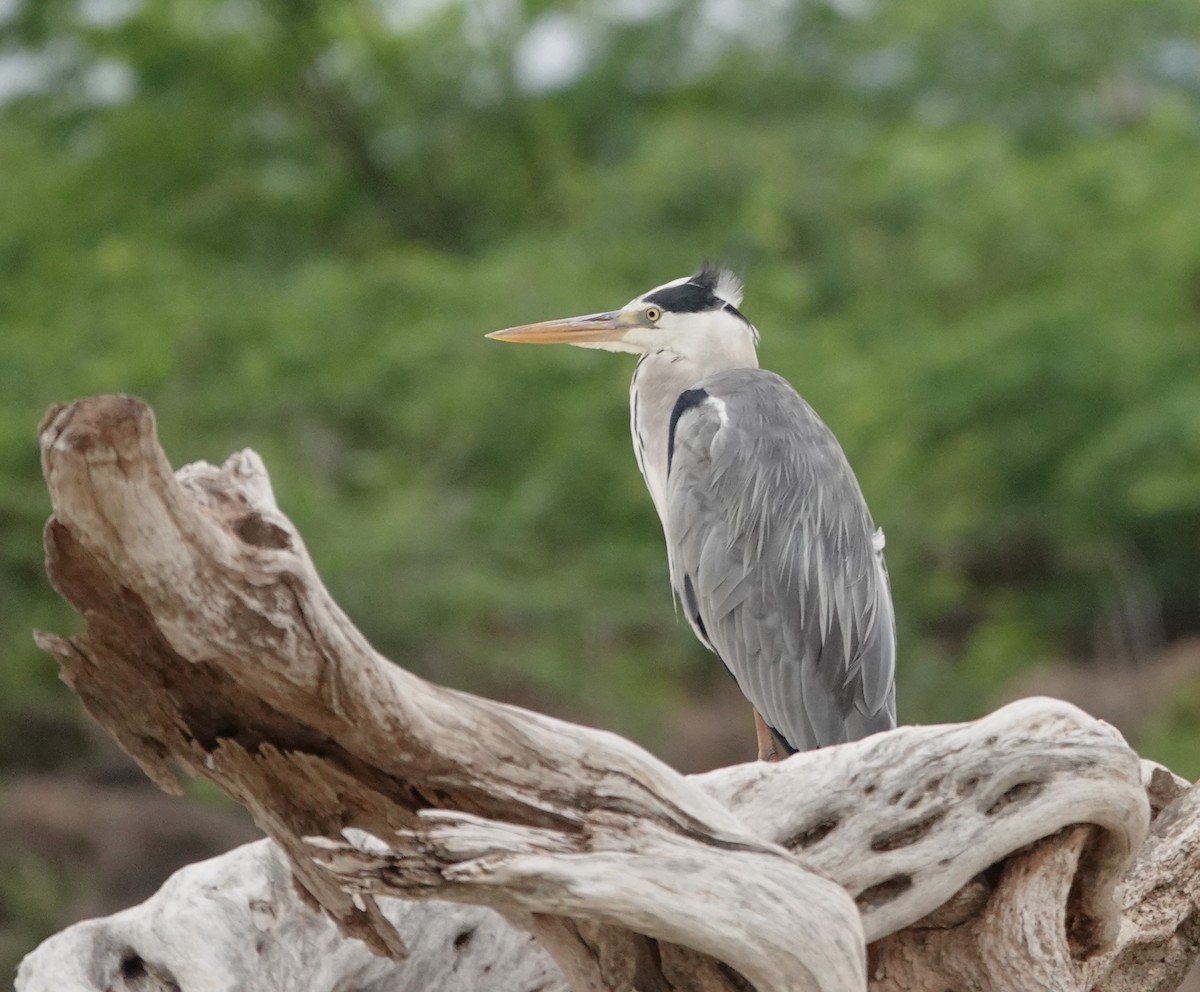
(685, 298)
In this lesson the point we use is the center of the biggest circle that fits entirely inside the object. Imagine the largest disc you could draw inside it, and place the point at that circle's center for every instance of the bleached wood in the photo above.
(211, 642)
(237, 923)
(211, 645)
(903, 820)
(736, 904)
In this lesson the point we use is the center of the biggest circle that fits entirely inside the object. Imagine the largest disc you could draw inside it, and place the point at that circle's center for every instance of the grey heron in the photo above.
(773, 554)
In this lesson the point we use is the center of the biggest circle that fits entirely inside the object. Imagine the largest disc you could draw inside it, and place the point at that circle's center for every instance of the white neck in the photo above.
(658, 380)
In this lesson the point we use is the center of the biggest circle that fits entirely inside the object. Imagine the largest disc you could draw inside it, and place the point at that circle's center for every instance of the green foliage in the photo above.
(33, 894)
(971, 234)
(1171, 735)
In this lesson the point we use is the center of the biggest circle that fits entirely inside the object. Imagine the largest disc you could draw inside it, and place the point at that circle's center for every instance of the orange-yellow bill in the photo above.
(573, 330)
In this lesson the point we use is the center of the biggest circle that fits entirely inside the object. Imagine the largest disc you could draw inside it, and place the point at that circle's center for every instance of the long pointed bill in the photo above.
(592, 328)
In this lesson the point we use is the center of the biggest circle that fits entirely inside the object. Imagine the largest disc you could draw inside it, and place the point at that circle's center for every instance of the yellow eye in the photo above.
(653, 314)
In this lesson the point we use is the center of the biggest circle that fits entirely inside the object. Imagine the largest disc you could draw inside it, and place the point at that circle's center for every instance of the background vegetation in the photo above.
(970, 232)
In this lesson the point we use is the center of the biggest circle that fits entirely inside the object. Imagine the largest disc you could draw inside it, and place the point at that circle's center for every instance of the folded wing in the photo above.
(776, 560)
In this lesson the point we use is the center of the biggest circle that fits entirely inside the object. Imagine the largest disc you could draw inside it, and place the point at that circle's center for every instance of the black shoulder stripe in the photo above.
(687, 399)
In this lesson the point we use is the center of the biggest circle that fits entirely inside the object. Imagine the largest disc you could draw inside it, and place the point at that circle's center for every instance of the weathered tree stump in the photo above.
(1010, 853)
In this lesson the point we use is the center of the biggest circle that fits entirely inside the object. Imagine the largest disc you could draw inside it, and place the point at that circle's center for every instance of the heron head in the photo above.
(692, 317)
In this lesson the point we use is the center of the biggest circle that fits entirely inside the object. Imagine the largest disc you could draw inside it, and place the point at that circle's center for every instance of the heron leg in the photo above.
(768, 746)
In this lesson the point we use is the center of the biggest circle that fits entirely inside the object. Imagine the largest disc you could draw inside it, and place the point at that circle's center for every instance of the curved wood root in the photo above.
(212, 646)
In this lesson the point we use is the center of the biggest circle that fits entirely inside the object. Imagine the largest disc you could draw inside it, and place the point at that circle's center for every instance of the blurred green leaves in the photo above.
(971, 237)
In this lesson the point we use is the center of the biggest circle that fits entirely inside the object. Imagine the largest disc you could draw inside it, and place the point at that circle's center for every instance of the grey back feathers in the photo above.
(776, 561)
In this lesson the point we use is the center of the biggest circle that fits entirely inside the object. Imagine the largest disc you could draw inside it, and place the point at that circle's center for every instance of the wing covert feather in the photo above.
(766, 519)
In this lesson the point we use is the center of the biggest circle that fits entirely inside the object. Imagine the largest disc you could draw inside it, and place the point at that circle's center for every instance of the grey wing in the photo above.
(776, 561)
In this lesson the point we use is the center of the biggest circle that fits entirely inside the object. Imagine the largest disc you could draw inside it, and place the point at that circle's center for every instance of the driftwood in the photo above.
(1011, 853)
(238, 922)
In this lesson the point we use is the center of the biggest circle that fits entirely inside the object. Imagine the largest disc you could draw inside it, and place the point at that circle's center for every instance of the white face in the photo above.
(667, 319)
(688, 334)
(695, 318)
